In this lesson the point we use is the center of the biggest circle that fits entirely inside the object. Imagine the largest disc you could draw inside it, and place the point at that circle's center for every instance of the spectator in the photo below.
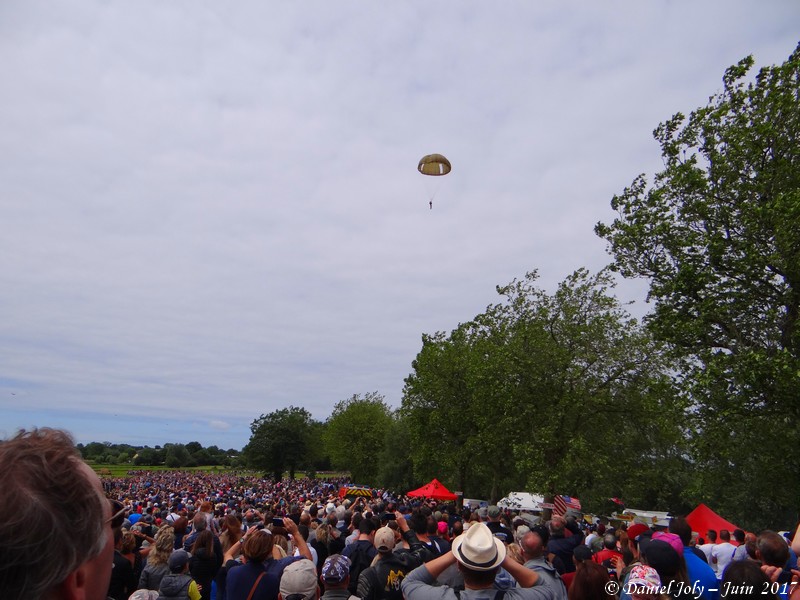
(561, 545)
(299, 581)
(643, 583)
(361, 552)
(708, 547)
(123, 579)
(45, 550)
(698, 571)
(744, 580)
(533, 550)
(335, 574)
(609, 554)
(722, 553)
(478, 555)
(177, 584)
(498, 529)
(257, 547)
(157, 566)
(231, 532)
(773, 551)
(590, 582)
(204, 563)
(382, 580)
(666, 556)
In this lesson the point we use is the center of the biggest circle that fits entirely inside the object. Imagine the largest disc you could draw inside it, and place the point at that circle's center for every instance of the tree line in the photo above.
(174, 456)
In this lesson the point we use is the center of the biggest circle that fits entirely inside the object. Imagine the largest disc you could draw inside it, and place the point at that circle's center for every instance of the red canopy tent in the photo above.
(703, 518)
(434, 489)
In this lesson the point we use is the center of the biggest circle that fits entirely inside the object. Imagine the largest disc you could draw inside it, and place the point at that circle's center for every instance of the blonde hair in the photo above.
(162, 548)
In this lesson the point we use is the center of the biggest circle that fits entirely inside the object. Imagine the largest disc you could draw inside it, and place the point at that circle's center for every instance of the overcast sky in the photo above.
(211, 210)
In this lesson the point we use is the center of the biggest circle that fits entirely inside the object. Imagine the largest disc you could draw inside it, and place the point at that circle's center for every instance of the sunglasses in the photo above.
(117, 514)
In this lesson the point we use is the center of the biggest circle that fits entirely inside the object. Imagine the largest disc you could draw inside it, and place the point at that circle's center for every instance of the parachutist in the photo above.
(431, 203)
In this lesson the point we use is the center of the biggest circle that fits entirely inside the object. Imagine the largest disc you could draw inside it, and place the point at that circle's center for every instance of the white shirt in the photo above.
(706, 548)
(723, 553)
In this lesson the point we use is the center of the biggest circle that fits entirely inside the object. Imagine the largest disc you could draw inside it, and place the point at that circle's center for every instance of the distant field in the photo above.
(122, 470)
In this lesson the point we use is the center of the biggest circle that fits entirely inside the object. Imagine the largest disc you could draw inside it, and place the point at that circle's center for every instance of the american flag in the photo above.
(562, 503)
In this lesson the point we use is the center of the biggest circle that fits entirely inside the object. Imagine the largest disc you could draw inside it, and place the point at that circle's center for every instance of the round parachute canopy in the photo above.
(434, 164)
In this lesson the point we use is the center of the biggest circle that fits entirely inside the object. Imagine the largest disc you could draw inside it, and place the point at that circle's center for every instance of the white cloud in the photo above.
(212, 211)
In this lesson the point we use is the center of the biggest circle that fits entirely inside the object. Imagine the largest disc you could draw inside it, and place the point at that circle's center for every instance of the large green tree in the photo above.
(280, 441)
(355, 433)
(591, 393)
(717, 234)
(554, 393)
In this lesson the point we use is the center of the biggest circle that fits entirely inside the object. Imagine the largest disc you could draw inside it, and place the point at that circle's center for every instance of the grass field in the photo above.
(121, 470)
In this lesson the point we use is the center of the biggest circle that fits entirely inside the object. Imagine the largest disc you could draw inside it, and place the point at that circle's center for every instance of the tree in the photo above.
(395, 471)
(177, 456)
(194, 447)
(145, 456)
(456, 406)
(535, 392)
(354, 435)
(589, 381)
(279, 441)
(718, 236)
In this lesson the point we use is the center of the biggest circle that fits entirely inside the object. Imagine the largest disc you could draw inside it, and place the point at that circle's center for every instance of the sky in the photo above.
(211, 210)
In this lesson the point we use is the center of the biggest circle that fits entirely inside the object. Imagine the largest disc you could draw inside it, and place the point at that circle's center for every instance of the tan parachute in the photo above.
(434, 165)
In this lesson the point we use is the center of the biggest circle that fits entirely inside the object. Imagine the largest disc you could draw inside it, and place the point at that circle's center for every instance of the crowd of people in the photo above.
(157, 536)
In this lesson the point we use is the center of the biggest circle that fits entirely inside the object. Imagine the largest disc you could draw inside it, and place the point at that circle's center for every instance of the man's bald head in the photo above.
(532, 545)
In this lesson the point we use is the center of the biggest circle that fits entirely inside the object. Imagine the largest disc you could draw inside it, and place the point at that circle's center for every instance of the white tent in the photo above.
(522, 501)
(648, 517)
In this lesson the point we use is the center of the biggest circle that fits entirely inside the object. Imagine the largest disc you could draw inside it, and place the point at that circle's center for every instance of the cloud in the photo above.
(213, 211)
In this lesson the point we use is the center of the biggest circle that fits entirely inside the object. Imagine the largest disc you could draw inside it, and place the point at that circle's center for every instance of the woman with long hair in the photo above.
(590, 582)
(204, 564)
(321, 543)
(157, 566)
(180, 527)
(231, 532)
(130, 552)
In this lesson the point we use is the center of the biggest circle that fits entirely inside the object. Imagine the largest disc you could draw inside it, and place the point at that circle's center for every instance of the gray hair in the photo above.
(53, 516)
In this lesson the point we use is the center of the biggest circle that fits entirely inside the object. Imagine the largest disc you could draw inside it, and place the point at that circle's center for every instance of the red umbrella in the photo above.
(434, 490)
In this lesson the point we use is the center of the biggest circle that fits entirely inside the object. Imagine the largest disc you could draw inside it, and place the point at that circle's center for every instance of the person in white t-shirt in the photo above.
(711, 535)
(722, 553)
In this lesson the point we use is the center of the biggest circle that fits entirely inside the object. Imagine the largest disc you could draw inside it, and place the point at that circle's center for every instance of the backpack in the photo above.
(359, 561)
(434, 548)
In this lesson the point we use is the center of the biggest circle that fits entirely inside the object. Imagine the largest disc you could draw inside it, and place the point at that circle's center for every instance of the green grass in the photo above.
(121, 470)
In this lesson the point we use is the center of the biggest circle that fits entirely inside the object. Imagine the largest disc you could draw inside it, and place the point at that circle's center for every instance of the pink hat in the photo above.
(442, 527)
(672, 539)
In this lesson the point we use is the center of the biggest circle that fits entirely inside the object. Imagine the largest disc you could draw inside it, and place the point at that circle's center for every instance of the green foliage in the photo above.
(718, 236)
(279, 441)
(532, 393)
(355, 433)
(395, 470)
(191, 454)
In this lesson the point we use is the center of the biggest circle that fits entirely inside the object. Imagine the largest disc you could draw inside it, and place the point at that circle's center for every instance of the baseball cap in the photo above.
(177, 560)
(299, 580)
(335, 569)
(384, 539)
(636, 530)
